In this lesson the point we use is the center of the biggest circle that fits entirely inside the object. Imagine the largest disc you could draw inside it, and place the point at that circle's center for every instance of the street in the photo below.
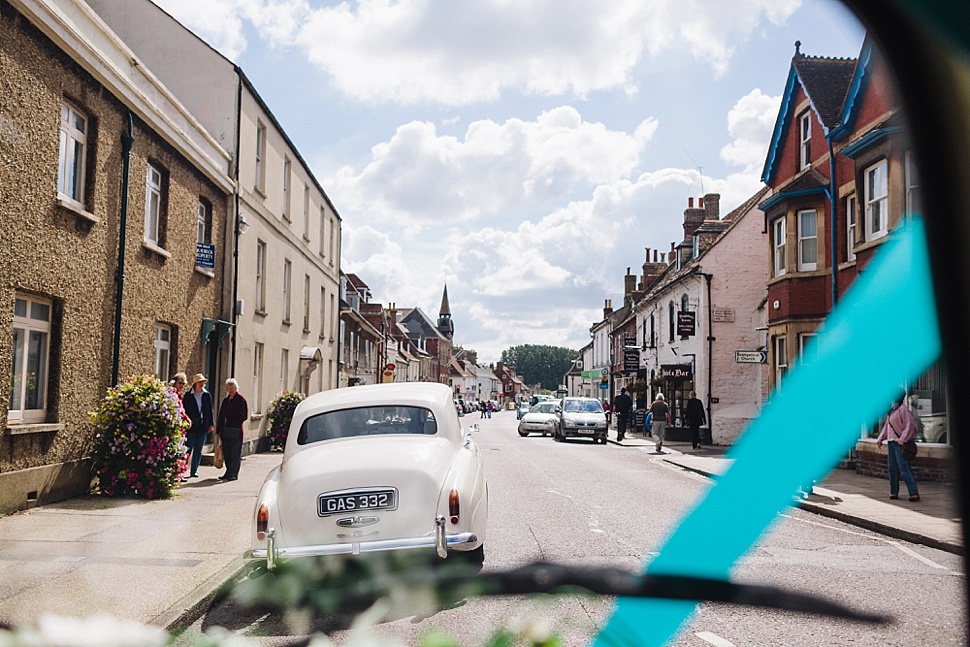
(580, 503)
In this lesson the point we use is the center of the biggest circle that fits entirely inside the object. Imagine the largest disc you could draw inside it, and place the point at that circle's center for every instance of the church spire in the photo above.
(445, 325)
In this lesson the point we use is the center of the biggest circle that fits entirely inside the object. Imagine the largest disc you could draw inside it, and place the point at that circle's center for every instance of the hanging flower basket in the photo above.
(138, 442)
(280, 414)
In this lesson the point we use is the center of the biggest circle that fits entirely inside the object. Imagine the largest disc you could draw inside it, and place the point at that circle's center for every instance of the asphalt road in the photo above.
(580, 503)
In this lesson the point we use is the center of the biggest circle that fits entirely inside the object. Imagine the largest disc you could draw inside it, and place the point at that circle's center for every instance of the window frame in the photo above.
(287, 170)
(287, 289)
(203, 224)
(153, 218)
(851, 226)
(780, 344)
(877, 205)
(306, 303)
(260, 277)
(72, 165)
(284, 367)
(30, 325)
(805, 140)
(260, 157)
(779, 233)
(804, 240)
(306, 212)
(257, 396)
(163, 351)
(913, 202)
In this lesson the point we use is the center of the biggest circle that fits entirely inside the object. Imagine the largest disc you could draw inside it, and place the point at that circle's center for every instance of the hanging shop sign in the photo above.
(686, 320)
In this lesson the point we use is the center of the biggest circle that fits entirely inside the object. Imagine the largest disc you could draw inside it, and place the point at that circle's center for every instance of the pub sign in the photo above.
(685, 323)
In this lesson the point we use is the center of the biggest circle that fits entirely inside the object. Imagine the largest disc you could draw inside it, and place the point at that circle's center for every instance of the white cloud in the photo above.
(750, 124)
(411, 51)
(519, 166)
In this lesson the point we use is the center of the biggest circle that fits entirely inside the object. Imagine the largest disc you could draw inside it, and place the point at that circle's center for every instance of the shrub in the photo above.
(139, 431)
(280, 414)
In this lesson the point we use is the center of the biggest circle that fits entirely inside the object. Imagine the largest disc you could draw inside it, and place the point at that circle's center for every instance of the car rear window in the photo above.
(367, 421)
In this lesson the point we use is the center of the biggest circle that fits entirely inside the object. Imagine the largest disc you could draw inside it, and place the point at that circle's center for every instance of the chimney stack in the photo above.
(629, 283)
(712, 206)
(607, 308)
(651, 271)
(693, 217)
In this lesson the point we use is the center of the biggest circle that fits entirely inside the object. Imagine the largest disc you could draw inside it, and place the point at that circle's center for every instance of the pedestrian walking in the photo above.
(232, 414)
(660, 418)
(489, 407)
(608, 410)
(694, 413)
(623, 405)
(481, 407)
(198, 407)
(900, 428)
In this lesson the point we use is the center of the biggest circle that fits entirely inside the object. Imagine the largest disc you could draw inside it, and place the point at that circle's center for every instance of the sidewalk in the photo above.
(844, 495)
(87, 556)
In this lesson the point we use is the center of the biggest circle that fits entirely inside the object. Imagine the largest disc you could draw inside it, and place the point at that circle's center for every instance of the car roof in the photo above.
(431, 395)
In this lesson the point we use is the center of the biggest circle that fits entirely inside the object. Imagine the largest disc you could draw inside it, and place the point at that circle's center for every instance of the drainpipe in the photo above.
(832, 236)
(127, 140)
(710, 352)
(235, 232)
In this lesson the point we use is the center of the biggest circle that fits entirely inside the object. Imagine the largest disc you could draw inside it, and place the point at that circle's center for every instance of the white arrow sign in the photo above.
(751, 356)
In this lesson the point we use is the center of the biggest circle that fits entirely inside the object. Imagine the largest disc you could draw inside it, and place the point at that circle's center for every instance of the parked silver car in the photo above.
(581, 417)
(541, 419)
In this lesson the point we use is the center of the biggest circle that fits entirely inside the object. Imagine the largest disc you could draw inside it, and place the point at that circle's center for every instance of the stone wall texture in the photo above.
(52, 251)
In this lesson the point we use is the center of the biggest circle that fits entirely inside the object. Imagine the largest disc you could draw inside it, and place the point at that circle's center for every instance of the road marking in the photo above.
(905, 549)
(714, 639)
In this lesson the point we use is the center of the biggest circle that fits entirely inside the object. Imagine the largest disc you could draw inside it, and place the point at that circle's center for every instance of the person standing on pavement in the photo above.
(233, 412)
(198, 407)
(661, 416)
(623, 406)
(178, 383)
(899, 428)
(489, 407)
(694, 413)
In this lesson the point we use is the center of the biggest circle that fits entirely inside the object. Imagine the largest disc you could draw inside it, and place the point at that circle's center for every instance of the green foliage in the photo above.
(138, 441)
(544, 365)
(280, 414)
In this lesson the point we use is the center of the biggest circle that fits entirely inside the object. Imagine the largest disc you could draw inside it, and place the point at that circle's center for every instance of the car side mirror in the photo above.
(474, 428)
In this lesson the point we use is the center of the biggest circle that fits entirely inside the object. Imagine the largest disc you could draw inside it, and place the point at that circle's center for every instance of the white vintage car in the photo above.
(374, 468)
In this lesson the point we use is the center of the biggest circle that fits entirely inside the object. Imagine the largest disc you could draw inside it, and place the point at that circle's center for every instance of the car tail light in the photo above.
(454, 507)
(262, 522)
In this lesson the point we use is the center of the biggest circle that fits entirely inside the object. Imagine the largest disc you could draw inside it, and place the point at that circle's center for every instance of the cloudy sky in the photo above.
(522, 152)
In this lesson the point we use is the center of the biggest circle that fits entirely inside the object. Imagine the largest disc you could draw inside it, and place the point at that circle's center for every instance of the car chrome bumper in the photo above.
(440, 541)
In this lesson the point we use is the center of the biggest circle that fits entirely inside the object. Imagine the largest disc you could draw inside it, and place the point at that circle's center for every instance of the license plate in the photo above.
(346, 501)
(585, 431)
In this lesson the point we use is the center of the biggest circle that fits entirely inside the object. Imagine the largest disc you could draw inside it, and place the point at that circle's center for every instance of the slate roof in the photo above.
(826, 82)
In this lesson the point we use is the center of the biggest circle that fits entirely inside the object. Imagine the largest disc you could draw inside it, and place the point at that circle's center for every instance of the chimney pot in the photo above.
(654, 256)
(690, 203)
(700, 203)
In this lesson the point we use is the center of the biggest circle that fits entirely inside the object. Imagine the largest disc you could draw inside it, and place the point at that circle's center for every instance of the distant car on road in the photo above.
(523, 409)
(374, 468)
(541, 419)
(581, 417)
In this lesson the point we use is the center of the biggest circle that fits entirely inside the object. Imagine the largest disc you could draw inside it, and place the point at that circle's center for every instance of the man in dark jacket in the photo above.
(198, 407)
(694, 414)
(623, 406)
(232, 414)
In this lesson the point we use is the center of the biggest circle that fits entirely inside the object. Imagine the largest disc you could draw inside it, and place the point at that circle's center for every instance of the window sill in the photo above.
(152, 247)
(258, 190)
(76, 208)
(287, 322)
(205, 271)
(256, 416)
(261, 313)
(36, 428)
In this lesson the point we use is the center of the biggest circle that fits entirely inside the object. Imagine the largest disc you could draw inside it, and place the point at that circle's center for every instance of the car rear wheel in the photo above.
(523, 433)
